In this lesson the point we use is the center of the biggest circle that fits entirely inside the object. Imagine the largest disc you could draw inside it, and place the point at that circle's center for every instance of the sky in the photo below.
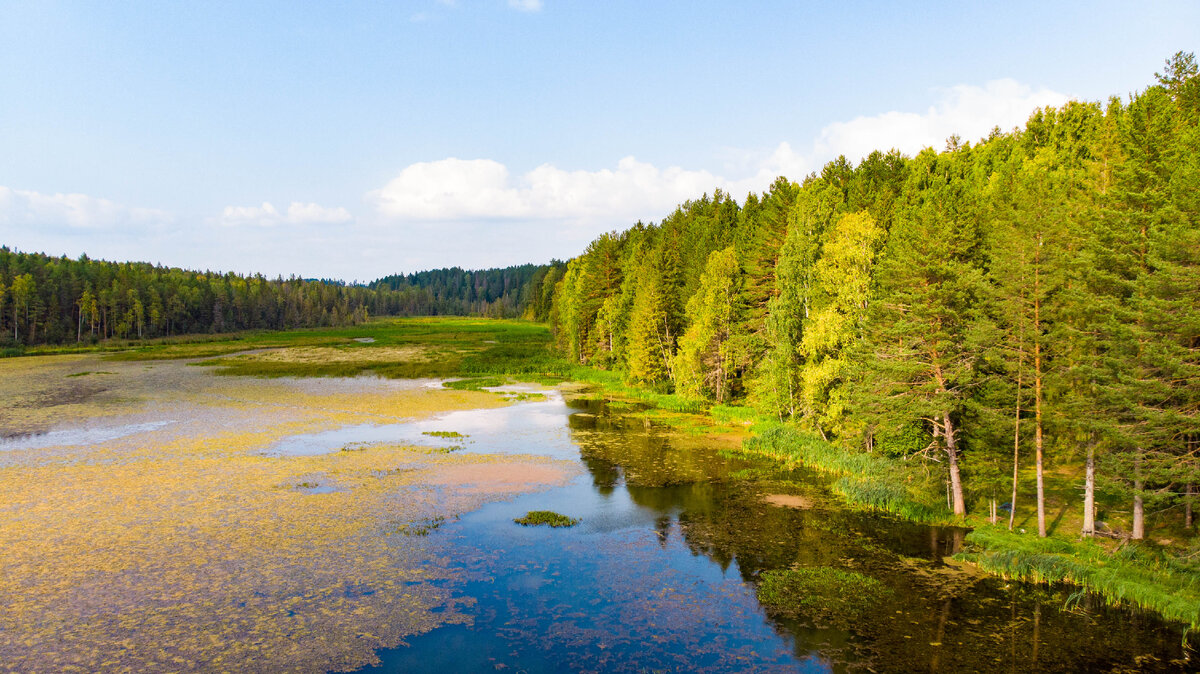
(353, 140)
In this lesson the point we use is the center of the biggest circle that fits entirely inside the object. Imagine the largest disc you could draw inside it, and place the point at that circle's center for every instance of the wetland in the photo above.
(169, 512)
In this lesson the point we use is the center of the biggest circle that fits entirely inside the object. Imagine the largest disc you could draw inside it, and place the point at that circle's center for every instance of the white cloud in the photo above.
(458, 189)
(71, 213)
(268, 216)
(966, 110)
(526, 5)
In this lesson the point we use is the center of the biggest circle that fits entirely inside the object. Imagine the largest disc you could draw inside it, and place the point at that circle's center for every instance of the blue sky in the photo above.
(357, 139)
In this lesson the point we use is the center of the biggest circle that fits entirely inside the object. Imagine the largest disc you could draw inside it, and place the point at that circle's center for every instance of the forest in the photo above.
(507, 292)
(57, 300)
(1035, 293)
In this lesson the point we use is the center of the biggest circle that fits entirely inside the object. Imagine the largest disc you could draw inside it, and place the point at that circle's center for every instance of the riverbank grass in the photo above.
(864, 480)
(1137, 574)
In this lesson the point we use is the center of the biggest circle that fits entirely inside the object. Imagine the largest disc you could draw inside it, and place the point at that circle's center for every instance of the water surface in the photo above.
(661, 572)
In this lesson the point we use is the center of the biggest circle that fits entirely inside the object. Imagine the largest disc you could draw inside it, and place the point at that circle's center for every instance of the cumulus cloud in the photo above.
(72, 213)
(464, 189)
(268, 216)
(967, 110)
(525, 5)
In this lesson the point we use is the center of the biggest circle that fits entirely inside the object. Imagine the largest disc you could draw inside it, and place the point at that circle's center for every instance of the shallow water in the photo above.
(70, 437)
(662, 570)
(531, 428)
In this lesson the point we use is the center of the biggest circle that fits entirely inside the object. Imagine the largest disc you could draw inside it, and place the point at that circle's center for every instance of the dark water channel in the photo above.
(661, 573)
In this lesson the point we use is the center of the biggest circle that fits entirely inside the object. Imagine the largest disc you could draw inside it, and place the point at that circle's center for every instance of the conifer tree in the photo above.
(927, 332)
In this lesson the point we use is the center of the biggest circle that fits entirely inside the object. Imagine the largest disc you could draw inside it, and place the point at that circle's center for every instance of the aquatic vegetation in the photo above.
(546, 517)
(524, 397)
(823, 595)
(421, 527)
(473, 383)
(186, 546)
(454, 435)
(1134, 574)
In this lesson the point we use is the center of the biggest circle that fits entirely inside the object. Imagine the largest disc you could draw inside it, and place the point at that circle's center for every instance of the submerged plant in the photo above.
(824, 595)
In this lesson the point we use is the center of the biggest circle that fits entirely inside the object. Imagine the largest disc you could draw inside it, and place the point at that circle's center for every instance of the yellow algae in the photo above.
(187, 547)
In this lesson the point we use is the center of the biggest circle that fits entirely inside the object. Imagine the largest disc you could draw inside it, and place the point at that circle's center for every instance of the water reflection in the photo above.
(76, 436)
(662, 572)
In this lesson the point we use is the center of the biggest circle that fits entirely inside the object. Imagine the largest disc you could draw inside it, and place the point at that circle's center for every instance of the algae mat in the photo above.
(144, 526)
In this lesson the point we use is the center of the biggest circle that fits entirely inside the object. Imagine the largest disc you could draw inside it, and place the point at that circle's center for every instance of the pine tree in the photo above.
(927, 331)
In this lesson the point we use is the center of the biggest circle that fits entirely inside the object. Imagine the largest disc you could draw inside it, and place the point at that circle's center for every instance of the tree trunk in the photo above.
(1089, 492)
(1188, 494)
(1139, 508)
(1037, 402)
(959, 505)
(1012, 511)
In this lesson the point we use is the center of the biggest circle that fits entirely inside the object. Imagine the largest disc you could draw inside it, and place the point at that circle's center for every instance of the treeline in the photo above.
(509, 292)
(1040, 288)
(55, 300)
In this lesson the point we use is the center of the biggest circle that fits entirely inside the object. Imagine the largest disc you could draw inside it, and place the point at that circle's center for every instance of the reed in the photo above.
(1139, 575)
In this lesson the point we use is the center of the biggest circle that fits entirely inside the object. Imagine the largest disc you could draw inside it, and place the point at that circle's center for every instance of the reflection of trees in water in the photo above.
(937, 618)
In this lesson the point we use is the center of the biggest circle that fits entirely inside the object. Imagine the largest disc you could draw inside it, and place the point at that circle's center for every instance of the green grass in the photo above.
(474, 383)
(865, 480)
(1141, 575)
(546, 518)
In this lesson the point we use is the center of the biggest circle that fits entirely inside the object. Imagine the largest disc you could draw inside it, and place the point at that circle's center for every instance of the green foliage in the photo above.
(842, 282)
(546, 517)
(710, 353)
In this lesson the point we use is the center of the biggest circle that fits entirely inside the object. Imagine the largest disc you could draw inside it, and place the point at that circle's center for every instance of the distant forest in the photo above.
(1041, 286)
(57, 300)
(510, 292)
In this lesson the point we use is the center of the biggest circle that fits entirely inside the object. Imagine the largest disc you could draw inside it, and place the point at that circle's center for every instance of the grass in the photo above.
(546, 518)
(865, 480)
(1142, 575)
(474, 383)
(450, 435)
(824, 595)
